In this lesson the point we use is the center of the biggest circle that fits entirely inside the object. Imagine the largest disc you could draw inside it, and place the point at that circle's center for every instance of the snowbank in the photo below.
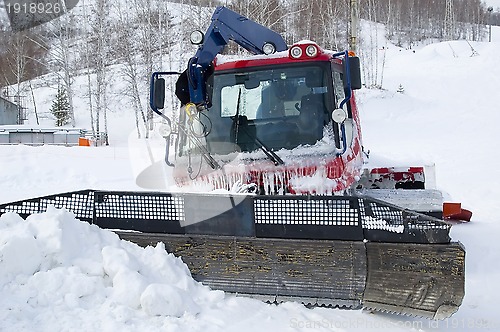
(53, 267)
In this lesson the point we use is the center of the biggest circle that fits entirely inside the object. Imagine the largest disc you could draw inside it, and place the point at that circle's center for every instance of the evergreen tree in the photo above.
(60, 108)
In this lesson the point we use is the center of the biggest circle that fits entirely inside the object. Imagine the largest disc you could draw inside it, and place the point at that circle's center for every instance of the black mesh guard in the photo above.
(80, 203)
(300, 217)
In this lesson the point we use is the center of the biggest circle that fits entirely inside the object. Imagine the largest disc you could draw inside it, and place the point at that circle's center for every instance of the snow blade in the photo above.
(415, 279)
(410, 279)
(343, 251)
(313, 272)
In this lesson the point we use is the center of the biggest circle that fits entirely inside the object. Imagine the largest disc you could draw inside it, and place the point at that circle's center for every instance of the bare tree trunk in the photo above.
(88, 69)
(130, 71)
(100, 29)
(17, 68)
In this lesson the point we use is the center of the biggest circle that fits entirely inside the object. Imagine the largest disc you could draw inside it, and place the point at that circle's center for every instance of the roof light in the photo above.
(296, 52)
(311, 51)
(196, 37)
(268, 48)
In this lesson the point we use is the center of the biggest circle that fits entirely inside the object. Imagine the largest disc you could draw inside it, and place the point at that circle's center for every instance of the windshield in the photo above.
(280, 108)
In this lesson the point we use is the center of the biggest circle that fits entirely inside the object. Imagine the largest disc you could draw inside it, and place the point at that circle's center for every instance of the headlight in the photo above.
(164, 130)
(296, 52)
(311, 51)
(196, 37)
(339, 115)
(268, 48)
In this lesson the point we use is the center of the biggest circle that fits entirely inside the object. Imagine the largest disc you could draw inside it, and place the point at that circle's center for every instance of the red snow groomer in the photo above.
(279, 123)
(283, 124)
(282, 121)
(299, 218)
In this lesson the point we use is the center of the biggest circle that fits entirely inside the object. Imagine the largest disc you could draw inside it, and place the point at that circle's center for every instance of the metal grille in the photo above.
(81, 203)
(383, 212)
(381, 217)
(143, 206)
(384, 216)
(306, 211)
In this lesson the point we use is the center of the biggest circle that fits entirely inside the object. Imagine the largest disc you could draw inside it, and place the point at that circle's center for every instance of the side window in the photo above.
(338, 87)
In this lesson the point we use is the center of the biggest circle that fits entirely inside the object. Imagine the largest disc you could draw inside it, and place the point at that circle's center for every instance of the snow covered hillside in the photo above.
(60, 274)
(493, 3)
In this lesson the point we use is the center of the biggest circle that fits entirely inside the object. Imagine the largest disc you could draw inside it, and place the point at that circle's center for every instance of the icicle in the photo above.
(281, 176)
(306, 170)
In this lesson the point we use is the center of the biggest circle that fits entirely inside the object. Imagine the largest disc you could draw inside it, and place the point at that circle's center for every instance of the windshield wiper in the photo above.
(267, 151)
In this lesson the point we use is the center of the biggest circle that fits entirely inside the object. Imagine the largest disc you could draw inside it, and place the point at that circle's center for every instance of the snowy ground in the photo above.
(58, 274)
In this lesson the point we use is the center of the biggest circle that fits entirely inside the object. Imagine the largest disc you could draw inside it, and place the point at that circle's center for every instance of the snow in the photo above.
(60, 274)
(493, 3)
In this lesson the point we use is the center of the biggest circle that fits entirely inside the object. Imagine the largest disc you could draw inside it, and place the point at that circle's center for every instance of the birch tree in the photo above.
(99, 46)
(130, 72)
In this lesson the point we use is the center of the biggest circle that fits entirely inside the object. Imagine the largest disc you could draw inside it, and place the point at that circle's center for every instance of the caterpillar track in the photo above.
(333, 251)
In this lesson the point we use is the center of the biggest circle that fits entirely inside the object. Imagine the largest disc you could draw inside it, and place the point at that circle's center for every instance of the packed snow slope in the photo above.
(60, 274)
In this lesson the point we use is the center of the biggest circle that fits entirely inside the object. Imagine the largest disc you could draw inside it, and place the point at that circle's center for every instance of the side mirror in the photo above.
(159, 93)
(354, 72)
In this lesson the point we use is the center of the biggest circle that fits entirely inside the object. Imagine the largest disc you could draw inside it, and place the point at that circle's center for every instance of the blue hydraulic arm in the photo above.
(228, 25)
